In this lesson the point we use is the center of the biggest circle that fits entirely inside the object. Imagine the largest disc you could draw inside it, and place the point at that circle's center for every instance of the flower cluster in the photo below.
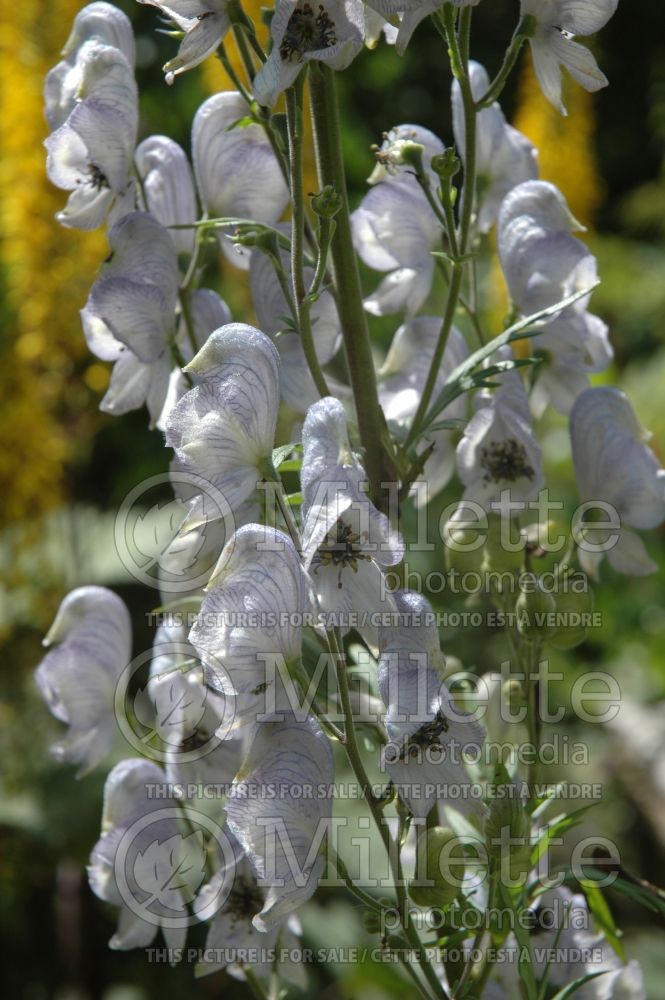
(288, 553)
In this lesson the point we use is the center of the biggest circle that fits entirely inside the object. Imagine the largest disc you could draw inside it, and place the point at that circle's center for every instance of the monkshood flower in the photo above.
(77, 679)
(428, 734)
(346, 540)
(98, 22)
(393, 165)
(283, 835)
(206, 312)
(552, 45)
(237, 173)
(395, 230)
(566, 926)
(168, 186)
(272, 312)
(193, 722)
(332, 32)
(504, 157)
(614, 464)
(375, 26)
(413, 12)
(231, 932)
(90, 154)
(401, 380)
(160, 867)
(223, 430)
(204, 22)
(543, 264)
(130, 315)
(499, 451)
(251, 619)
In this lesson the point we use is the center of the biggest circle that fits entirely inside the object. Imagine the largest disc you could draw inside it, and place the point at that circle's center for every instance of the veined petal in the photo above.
(137, 314)
(168, 186)
(236, 171)
(611, 460)
(584, 17)
(104, 22)
(199, 42)
(283, 836)
(134, 382)
(404, 289)
(77, 679)
(394, 226)
(579, 61)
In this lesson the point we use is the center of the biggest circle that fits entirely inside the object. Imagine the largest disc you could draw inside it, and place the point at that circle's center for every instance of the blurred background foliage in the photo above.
(65, 468)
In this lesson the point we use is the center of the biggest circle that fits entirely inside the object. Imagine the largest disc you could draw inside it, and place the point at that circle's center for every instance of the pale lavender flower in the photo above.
(204, 23)
(78, 678)
(614, 464)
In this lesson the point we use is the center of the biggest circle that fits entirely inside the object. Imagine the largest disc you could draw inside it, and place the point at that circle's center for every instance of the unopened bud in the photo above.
(463, 548)
(445, 165)
(372, 921)
(573, 606)
(534, 614)
(439, 868)
(507, 827)
(327, 203)
(513, 695)
(504, 551)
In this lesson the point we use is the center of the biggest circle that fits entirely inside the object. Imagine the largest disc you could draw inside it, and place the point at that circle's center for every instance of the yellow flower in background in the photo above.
(566, 152)
(46, 273)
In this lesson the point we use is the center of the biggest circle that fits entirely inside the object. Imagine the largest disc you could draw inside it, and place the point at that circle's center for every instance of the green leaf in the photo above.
(603, 916)
(532, 325)
(573, 987)
(281, 454)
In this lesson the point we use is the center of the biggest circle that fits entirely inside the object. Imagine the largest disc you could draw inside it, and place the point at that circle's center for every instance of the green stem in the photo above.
(353, 321)
(355, 760)
(295, 123)
(524, 30)
(254, 984)
(460, 65)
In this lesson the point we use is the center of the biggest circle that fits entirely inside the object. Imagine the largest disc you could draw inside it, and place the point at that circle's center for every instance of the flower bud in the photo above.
(439, 868)
(573, 605)
(327, 203)
(446, 165)
(533, 614)
(513, 695)
(372, 921)
(499, 557)
(463, 548)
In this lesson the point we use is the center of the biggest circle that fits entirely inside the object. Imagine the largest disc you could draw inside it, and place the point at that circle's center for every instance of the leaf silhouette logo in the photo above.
(154, 530)
(171, 708)
(170, 872)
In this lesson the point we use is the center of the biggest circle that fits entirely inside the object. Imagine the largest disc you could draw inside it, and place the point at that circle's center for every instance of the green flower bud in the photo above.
(327, 203)
(573, 603)
(498, 559)
(534, 612)
(464, 549)
(513, 695)
(439, 868)
(446, 164)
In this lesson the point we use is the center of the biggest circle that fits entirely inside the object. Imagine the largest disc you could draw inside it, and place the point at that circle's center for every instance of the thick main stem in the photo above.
(294, 111)
(330, 166)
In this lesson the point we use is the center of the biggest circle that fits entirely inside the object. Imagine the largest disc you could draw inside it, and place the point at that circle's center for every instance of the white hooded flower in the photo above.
(101, 23)
(283, 833)
(90, 154)
(428, 735)
(499, 451)
(613, 464)
(204, 22)
(237, 173)
(543, 264)
(552, 45)
(272, 312)
(251, 619)
(413, 12)
(346, 540)
(402, 378)
(232, 934)
(77, 678)
(331, 32)
(146, 867)
(395, 230)
(168, 186)
(223, 430)
(130, 315)
(504, 157)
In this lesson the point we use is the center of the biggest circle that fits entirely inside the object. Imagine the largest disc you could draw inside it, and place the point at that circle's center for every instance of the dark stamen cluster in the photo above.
(505, 461)
(307, 32)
